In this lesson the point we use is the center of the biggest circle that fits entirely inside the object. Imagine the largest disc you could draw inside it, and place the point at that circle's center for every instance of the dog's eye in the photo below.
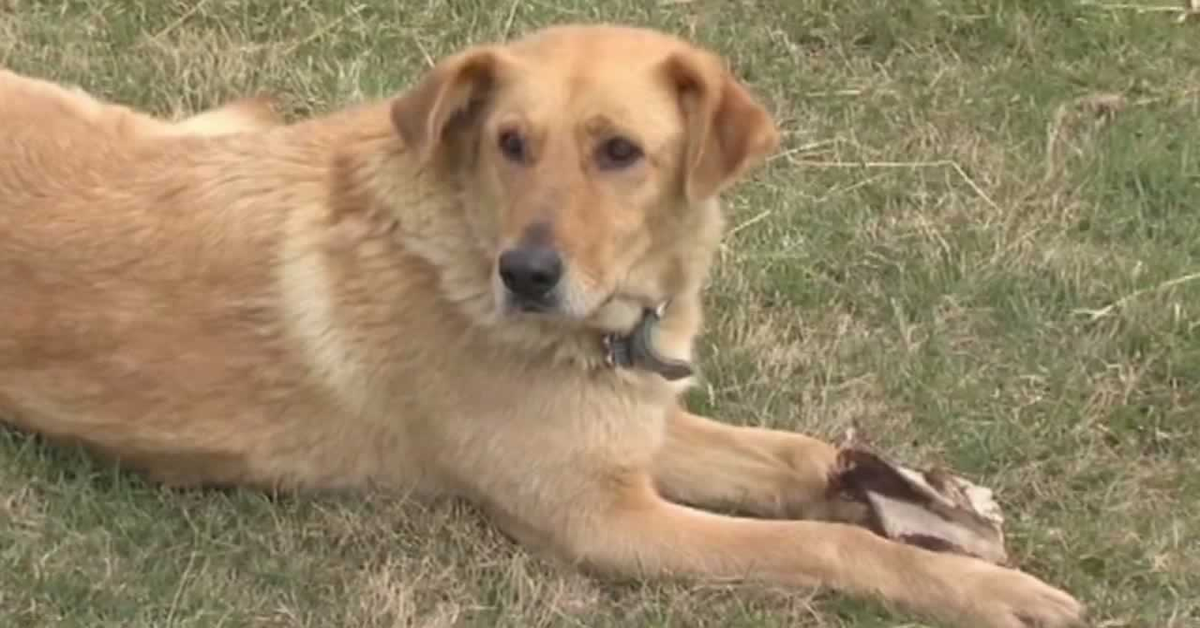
(513, 146)
(618, 152)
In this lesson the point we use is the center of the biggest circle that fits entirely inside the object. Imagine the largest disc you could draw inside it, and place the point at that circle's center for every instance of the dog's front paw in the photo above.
(1005, 598)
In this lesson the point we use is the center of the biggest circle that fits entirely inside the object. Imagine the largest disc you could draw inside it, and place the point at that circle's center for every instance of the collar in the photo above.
(636, 350)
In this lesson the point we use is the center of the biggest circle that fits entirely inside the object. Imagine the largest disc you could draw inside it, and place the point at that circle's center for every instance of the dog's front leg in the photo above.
(629, 530)
(772, 473)
(757, 471)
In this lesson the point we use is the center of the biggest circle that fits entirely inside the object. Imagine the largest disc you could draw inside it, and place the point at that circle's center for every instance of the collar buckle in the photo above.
(636, 350)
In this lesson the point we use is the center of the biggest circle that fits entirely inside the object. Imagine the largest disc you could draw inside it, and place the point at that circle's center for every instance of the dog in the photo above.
(486, 287)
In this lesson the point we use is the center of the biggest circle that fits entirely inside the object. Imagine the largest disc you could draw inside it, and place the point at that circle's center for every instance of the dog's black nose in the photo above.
(531, 272)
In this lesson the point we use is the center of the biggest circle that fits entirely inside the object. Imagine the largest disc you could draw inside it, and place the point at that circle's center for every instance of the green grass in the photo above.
(964, 250)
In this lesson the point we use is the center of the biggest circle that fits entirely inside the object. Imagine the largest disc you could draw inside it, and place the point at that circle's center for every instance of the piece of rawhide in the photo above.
(932, 509)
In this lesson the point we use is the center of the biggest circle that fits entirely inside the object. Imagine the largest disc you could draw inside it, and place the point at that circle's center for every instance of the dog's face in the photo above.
(592, 156)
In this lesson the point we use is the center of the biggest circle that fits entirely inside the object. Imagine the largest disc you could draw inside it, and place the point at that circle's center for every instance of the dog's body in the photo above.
(422, 294)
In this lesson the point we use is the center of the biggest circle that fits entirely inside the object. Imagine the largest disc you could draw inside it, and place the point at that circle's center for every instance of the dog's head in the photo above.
(592, 156)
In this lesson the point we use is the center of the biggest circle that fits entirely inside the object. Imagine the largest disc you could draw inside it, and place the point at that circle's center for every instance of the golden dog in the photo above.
(487, 287)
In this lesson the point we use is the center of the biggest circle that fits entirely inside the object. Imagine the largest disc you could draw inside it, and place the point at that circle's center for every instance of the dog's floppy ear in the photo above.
(727, 130)
(444, 96)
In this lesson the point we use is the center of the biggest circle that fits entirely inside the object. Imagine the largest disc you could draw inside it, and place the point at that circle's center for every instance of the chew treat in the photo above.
(932, 509)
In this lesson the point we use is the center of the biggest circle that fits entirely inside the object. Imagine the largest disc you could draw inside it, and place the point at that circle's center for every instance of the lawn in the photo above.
(979, 246)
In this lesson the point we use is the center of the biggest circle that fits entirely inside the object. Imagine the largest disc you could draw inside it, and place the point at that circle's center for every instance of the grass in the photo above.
(979, 246)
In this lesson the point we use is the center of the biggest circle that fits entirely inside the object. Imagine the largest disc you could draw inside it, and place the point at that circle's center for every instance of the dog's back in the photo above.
(102, 289)
(27, 96)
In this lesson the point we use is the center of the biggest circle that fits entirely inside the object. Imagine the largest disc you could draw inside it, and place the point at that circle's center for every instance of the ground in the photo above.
(978, 246)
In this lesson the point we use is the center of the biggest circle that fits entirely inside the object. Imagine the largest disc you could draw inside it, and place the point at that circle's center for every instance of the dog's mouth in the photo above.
(626, 327)
(570, 312)
(634, 345)
(537, 307)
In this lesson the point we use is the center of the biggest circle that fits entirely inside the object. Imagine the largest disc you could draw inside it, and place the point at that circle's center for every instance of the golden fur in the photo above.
(316, 306)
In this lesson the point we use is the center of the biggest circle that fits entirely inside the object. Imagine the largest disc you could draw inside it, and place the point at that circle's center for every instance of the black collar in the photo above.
(636, 350)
